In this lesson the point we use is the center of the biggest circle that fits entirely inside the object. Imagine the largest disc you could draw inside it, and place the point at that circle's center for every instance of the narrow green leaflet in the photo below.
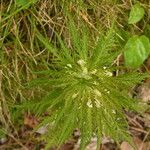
(2, 133)
(136, 51)
(25, 3)
(21, 2)
(136, 14)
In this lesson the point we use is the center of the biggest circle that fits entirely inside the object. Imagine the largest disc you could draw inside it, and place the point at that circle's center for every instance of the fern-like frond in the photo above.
(84, 93)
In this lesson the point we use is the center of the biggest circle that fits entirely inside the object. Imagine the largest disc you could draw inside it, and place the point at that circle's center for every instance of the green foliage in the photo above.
(136, 51)
(2, 133)
(25, 3)
(84, 93)
(136, 14)
(21, 2)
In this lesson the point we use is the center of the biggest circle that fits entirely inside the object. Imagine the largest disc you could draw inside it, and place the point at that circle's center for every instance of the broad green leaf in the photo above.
(136, 14)
(136, 51)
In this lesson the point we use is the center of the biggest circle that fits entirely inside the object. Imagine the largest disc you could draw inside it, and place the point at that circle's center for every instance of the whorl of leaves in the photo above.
(84, 92)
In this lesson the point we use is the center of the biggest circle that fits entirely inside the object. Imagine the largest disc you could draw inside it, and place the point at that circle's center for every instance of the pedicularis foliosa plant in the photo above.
(84, 93)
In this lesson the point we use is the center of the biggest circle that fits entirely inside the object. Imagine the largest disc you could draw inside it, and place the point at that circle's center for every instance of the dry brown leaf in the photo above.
(30, 121)
(126, 146)
(144, 93)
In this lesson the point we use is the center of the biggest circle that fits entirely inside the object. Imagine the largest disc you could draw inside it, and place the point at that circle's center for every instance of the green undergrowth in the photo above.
(84, 92)
(60, 57)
